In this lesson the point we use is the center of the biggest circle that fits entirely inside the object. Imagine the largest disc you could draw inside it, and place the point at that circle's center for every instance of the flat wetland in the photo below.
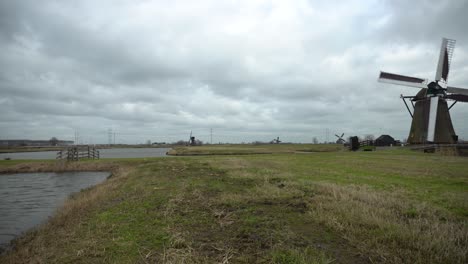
(258, 204)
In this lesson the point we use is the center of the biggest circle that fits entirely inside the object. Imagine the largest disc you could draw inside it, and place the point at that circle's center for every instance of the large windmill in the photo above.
(431, 118)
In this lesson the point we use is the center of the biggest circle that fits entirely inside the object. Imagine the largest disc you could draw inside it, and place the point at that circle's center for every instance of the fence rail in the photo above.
(367, 142)
(429, 146)
(460, 148)
(367, 145)
(77, 153)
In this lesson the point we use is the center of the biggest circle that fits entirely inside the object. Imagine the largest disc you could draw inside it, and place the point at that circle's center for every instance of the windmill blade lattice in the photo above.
(445, 59)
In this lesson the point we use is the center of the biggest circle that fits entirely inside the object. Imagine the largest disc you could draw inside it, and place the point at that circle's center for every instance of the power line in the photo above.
(109, 136)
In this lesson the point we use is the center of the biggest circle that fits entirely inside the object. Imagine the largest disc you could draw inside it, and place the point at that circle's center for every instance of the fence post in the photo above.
(75, 153)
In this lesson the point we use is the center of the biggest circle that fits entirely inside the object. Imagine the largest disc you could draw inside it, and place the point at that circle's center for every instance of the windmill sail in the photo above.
(445, 68)
(398, 79)
(445, 58)
(456, 90)
(458, 97)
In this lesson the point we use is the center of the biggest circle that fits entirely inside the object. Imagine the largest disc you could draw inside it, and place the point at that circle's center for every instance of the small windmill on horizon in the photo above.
(431, 122)
(340, 139)
(191, 140)
(275, 141)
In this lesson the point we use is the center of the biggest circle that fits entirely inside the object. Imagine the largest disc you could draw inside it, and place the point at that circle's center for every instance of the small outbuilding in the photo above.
(384, 140)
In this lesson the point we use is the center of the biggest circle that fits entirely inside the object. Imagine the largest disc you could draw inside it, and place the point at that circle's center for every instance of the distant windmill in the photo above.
(431, 118)
(191, 139)
(340, 139)
(275, 141)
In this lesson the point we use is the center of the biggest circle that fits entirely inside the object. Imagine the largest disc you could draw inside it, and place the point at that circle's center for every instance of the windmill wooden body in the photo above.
(431, 122)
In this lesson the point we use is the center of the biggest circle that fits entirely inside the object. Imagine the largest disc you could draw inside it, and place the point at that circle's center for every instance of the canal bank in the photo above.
(106, 153)
(28, 199)
(71, 212)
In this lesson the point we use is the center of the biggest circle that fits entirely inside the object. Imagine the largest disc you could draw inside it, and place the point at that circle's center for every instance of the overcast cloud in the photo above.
(250, 70)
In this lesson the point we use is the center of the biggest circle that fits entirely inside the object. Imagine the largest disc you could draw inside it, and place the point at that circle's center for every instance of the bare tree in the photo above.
(53, 141)
(315, 140)
(369, 137)
(180, 142)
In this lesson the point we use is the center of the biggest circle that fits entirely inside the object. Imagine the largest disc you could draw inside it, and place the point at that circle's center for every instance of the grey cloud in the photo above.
(248, 70)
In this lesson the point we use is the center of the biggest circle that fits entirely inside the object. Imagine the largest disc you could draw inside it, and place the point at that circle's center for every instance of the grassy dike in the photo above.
(393, 206)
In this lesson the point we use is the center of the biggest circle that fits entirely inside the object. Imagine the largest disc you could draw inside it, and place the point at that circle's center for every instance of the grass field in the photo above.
(298, 205)
(243, 149)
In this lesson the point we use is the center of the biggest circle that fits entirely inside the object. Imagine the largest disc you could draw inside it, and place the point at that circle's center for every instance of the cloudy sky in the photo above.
(248, 70)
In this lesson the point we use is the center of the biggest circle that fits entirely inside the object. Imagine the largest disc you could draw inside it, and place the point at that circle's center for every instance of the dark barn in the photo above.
(384, 140)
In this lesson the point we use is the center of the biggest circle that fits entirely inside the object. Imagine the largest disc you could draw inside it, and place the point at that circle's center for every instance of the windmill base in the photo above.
(444, 132)
(459, 149)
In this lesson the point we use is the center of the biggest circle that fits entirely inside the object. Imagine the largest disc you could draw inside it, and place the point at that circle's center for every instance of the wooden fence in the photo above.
(459, 148)
(367, 145)
(77, 153)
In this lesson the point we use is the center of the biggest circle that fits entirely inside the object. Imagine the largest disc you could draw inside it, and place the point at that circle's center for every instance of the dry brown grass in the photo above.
(398, 230)
(388, 225)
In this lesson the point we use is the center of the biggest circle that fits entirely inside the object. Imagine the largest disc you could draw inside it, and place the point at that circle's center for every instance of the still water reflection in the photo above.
(28, 199)
(105, 153)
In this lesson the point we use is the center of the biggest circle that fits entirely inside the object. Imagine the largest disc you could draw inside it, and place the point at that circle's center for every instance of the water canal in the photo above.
(104, 153)
(28, 199)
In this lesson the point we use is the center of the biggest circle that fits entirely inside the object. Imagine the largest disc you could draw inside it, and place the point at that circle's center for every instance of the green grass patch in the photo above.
(249, 149)
(388, 206)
